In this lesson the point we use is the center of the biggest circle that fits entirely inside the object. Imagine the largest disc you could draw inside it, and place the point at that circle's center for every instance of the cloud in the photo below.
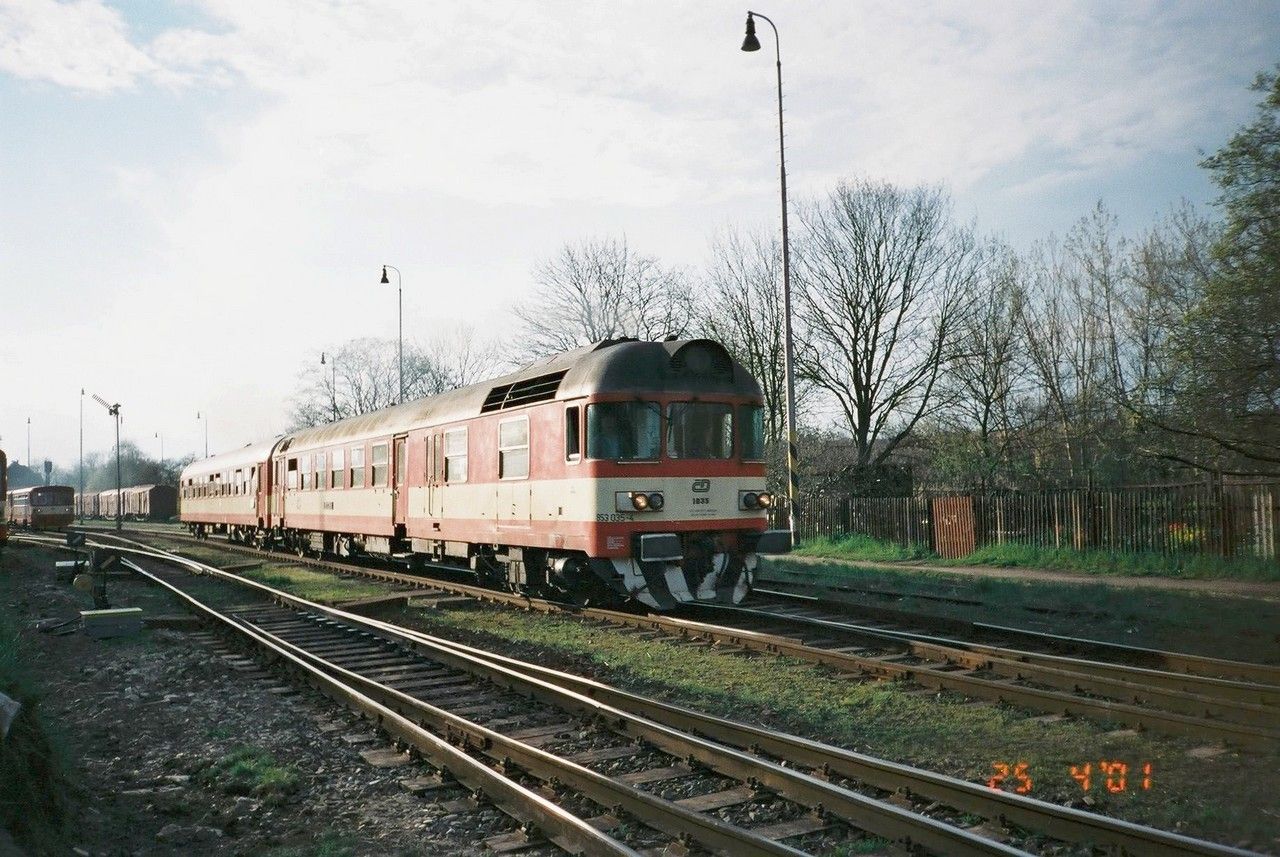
(81, 45)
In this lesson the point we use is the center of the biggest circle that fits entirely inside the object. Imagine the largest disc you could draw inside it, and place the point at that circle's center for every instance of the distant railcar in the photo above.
(42, 507)
(87, 504)
(109, 502)
(150, 502)
(621, 471)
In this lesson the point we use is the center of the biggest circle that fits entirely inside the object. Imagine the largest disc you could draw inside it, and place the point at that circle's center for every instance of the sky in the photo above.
(196, 197)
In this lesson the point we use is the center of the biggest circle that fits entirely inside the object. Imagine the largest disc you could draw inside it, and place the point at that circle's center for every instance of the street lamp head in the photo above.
(321, 358)
(385, 278)
(751, 43)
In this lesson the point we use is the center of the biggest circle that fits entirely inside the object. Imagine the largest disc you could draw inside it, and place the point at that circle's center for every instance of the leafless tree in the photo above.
(882, 272)
(600, 288)
(363, 375)
(1068, 322)
(984, 376)
(741, 307)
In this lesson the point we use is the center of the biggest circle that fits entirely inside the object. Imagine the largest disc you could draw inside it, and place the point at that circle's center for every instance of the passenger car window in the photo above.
(513, 449)
(379, 462)
(357, 467)
(455, 455)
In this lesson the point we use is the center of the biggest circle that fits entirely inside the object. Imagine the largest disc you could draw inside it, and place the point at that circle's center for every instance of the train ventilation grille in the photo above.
(526, 392)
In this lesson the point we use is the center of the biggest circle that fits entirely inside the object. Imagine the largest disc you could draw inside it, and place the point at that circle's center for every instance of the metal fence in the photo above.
(1232, 519)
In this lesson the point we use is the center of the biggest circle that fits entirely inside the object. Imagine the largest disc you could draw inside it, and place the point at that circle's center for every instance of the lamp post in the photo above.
(29, 442)
(114, 411)
(333, 384)
(160, 438)
(751, 43)
(400, 333)
(205, 420)
(81, 503)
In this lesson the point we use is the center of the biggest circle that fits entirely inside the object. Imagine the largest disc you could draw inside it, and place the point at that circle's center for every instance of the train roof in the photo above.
(17, 491)
(249, 455)
(700, 367)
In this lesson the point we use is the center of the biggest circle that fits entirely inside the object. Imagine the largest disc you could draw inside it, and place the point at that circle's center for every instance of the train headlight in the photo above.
(765, 499)
(638, 501)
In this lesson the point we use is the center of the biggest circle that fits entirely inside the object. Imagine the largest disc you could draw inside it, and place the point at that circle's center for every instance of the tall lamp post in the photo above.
(81, 503)
(751, 43)
(114, 411)
(333, 384)
(160, 438)
(400, 334)
(29, 443)
(205, 420)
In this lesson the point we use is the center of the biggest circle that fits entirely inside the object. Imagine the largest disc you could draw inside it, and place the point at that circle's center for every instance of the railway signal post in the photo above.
(114, 410)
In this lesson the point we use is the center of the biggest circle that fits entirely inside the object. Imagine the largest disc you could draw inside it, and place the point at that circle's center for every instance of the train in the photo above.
(625, 471)
(140, 503)
(44, 507)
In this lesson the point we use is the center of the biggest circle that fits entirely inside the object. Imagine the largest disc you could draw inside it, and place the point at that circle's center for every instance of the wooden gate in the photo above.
(953, 530)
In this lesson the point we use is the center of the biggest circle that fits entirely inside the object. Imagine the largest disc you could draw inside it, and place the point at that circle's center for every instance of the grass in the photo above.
(314, 585)
(885, 719)
(858, 547)
(252, 771)
(1216, 625)
(35, 779)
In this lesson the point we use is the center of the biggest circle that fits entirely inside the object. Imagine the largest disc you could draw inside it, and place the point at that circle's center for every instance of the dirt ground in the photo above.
(153, 723)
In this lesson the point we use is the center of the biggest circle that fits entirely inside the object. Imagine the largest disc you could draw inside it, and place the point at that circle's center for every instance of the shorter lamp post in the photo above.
(333, 384)
(400, 329)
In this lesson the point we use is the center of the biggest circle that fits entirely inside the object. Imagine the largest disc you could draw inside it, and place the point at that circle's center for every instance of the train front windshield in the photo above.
(623, 431)
(52, 497)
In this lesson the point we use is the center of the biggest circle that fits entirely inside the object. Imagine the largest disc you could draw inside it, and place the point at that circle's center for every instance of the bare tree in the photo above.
(600, 289)
(742, 308)
(985, 373)
(882, 272)
(362, 375)
(1069, 326)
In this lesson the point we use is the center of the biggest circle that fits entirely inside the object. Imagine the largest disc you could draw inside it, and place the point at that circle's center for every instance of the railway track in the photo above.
(1192, 704)
(1037, 641)
(540, 731)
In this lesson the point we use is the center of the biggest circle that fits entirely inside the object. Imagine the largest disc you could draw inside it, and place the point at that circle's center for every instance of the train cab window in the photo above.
(335, 469)
(624, 431)
(379, 461)
(699, 430)
(751, 425)
(572, 434)
(291, 481)
(455, 455)
(357, 467)
(513, 449)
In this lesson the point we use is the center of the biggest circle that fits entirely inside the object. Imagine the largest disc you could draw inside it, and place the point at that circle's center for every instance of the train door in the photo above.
(399, 485)
(435, 476)
(277, 493)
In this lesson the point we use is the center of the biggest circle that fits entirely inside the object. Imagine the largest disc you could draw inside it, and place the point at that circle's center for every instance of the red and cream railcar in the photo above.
(42, 507)
(228, 493)
(622, 470)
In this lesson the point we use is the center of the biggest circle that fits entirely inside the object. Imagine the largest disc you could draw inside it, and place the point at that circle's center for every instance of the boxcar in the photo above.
(150, 502)
(623, 470)
(87, 505)
(42, 507)
(108, 502)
